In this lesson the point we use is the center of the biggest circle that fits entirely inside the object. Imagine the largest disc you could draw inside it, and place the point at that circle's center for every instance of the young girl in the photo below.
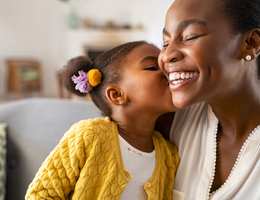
(121, 156)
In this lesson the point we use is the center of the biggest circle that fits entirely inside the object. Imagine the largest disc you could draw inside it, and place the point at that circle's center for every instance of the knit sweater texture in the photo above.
(87, 164)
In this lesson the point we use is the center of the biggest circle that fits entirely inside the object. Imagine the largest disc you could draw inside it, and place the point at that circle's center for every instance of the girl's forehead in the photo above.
(144, 51)
(141, 54)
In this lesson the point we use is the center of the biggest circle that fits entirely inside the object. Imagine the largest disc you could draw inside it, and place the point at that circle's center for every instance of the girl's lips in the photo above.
(177, 79)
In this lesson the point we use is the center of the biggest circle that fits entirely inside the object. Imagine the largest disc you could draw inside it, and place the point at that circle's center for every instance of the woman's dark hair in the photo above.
(108, 63)
(243, 15)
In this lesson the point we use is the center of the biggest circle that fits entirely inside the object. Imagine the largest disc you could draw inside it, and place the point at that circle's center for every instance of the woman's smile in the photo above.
(178, 77)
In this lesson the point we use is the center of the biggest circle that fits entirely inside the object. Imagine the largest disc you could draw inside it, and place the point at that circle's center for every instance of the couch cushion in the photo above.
(35, 127)
(2, 159)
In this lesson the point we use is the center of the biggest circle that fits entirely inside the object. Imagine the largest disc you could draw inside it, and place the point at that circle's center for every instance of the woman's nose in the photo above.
(171, 55)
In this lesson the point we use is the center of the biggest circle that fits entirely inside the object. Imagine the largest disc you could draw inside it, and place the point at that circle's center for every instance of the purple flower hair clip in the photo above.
(81, 81)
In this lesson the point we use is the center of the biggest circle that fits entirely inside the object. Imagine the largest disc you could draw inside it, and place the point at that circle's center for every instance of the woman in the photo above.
(211, 55)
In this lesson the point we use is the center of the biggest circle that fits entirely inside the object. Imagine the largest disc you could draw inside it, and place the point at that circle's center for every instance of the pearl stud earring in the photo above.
(248, 57)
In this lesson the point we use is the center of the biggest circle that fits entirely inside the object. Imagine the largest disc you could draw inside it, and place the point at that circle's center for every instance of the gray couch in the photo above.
(35, 127)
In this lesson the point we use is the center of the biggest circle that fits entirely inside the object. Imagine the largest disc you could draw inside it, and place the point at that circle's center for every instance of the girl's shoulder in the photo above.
(88, 123)
(168, 150)
(165, 143)
(90, 126)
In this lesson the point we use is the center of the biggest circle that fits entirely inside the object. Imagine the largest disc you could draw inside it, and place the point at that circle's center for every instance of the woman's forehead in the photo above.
(182, 11)
(192, 8)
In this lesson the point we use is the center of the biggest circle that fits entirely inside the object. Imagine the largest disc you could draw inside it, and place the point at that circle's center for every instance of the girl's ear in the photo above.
(251, 45)
(116, 95)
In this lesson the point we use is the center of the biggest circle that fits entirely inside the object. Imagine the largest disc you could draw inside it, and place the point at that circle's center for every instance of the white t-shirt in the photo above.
(193, 132)
(141, 167)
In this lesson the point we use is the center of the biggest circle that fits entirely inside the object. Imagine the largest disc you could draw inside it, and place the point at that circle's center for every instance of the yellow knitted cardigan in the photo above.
(87, 164)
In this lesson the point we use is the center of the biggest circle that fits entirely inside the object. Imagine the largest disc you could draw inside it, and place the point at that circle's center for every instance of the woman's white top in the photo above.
(141, 166)
(193, 132)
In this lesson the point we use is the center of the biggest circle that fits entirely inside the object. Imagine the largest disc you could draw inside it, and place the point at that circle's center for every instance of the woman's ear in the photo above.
(251, 45)
(116, 95)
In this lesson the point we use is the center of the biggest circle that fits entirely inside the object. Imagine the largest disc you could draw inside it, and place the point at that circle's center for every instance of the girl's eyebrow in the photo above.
(187, 23)
(148, 58)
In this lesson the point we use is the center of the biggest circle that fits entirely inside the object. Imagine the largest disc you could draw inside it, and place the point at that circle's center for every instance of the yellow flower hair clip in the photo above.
(94, 77)
(86, 81)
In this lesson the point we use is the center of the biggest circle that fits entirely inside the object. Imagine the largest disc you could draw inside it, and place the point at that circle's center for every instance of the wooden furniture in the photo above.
(24, 75)
(63, 93)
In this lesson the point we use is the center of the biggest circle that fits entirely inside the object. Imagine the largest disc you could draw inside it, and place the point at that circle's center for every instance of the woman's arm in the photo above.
(164, 123)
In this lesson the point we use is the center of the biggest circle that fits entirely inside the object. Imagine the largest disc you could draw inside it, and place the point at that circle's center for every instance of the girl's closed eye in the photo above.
(165, 45)
(152, 68)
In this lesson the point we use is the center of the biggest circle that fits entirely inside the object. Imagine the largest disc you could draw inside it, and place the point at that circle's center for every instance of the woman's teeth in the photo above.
(178, 77)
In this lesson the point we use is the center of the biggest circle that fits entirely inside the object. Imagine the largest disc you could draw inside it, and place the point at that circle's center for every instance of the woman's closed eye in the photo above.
(191, 38)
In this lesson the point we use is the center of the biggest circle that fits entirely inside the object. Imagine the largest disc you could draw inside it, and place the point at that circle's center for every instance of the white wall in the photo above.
(37, 29)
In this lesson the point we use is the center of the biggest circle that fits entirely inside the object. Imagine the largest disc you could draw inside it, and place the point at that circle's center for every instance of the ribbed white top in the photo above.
(141, 166)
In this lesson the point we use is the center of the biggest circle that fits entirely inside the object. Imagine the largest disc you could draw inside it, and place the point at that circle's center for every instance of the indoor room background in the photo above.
(53, 31)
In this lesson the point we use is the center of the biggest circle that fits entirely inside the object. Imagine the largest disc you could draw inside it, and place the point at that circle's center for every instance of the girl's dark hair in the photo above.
(243, 15)
(110, 65)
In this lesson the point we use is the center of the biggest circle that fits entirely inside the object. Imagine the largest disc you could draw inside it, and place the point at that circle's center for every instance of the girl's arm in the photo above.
(58, 174)
(163, 124)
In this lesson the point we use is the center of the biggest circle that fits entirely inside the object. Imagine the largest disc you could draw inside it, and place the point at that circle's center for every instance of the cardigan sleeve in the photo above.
(58, 174)
(174, 154)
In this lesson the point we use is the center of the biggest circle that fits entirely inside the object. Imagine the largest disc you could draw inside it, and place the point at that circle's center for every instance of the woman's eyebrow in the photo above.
(187, 23)
(149, 58)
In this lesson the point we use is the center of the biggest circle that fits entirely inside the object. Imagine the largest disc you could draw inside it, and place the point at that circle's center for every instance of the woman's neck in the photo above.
(238, 114)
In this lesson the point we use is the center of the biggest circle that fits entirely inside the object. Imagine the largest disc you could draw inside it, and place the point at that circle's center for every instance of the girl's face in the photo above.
(144, 83)
(200, 57)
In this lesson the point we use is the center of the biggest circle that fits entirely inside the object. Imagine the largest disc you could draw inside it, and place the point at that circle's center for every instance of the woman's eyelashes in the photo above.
(190, 38)
(186, 39)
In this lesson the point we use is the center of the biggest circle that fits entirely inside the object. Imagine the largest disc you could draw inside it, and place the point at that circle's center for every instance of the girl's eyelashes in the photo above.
(165, 45)
(152, 68)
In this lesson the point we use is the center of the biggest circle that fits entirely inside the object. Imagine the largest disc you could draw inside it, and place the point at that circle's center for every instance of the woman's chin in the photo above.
(180, 103)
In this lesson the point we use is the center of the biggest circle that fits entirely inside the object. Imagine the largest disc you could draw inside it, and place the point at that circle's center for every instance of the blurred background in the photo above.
(37, 37)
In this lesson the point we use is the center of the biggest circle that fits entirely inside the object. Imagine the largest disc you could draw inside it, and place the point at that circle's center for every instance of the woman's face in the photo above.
(200, 57)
